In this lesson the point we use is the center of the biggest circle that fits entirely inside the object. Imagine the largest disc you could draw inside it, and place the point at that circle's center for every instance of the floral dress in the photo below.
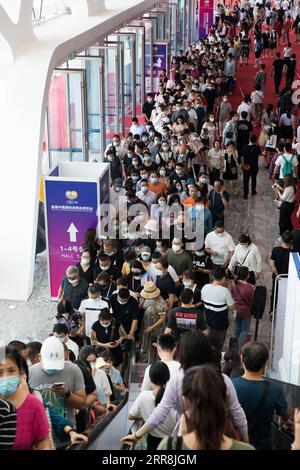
(153, 309)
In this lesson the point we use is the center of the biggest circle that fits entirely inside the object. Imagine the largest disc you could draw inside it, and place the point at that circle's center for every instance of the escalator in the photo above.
(108, 429)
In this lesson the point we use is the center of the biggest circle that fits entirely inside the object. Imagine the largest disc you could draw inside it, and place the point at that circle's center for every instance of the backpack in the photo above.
(287, 168)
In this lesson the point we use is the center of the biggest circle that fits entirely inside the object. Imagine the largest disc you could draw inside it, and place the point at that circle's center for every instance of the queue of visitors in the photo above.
(179, 169)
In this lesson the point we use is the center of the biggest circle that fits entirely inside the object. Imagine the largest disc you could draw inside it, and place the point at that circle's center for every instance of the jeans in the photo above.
(242, 328)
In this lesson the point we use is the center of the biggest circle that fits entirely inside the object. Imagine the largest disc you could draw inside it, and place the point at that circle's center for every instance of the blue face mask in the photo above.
(50, 371)
(9, 385)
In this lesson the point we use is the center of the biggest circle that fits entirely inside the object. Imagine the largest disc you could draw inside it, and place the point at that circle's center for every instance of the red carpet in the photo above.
(245, 84)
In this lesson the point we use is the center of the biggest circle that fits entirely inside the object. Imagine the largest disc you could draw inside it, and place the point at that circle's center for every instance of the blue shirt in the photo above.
(250, 393)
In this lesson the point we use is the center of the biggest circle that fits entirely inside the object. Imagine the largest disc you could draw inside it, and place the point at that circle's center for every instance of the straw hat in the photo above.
(150, 290)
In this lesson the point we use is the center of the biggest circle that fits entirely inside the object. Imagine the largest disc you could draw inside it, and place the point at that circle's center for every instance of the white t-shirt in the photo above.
(173, 366)
(288, 194)
(244, 107)
(214, 297)
(257, 97)
(154, 273)
(91, 309)
(102, 382)
(221, 243)
(144, 406)
(280, 162)
(285, 5)
(215, 157)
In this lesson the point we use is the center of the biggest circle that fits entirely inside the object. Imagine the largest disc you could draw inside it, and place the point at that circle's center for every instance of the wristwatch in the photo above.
(67, 395)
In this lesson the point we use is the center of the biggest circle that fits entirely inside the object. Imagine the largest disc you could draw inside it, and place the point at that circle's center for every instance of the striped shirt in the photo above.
(216, 301)
(8, 425)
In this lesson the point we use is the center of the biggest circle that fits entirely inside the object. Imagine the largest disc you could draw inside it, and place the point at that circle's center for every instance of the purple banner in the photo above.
(206, 17)
(147, 67)
(160, 61)
(71, 210)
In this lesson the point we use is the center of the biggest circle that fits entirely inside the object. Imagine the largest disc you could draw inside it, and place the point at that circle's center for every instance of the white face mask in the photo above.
(105, 325)
(162, 203)
(144, 189)
(176, 248)
(117, 189)
(104, 268)
(85, 261)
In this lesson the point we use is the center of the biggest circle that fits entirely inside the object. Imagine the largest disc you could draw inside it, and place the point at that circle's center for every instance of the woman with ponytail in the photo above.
(147, 401)
(204, 422)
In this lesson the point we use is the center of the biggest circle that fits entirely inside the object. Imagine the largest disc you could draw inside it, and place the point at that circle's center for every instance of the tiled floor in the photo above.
(258, 216)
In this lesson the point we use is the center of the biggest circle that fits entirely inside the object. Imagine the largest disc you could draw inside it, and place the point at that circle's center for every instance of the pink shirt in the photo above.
(32, 424)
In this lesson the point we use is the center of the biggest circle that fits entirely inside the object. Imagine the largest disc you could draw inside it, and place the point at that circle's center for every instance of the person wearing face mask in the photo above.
(220, 246)
(218, 200)
(73, 287)
(160, 210)
(148, 163)
(155, 185)
(179, 125)
(137, 127)
(66, 315)
(148, 107)
(224, 111)
(202, 265)
(60, 382)
(85, 266)
(105, 265)
(165, 154)
(105, 285)
(188, 281)
(28, 423)
(164, 175)
(116, 143)
(136, 278)
(91, 307)
(179, 175)
(145, 195)
(179, 258)
(145, 258)
(211, 128)
(125, 310)
(180, 111)
(246, 254)
(230, 130)
(61, 332)
(116, 192)
(115, 164)
(112, 249)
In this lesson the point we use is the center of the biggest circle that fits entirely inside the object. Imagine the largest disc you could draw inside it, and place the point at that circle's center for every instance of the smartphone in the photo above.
(59, 384)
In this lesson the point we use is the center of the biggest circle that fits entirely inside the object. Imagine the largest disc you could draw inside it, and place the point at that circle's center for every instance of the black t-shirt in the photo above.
(90, 387)
(147, 109)
(291, 68)
(281, 258)
(115, 169)
(87, 275)
(296, 240)
(216, 204)
(251, 154)
(278, 66)
(243, 131)
(107, 291)
(75, 294)
(106, 334)
(113, 272)
(204, 262)
(125, 314)
(181, 319)
(197, 294)
(166, 285)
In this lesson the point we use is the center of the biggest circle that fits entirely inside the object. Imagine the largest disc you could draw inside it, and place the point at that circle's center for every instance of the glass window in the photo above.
(46, 9)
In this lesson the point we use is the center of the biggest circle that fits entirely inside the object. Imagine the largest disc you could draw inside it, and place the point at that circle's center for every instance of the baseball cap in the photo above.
(52, 353)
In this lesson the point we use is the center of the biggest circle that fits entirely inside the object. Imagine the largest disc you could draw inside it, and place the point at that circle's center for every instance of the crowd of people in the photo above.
(179, 168)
